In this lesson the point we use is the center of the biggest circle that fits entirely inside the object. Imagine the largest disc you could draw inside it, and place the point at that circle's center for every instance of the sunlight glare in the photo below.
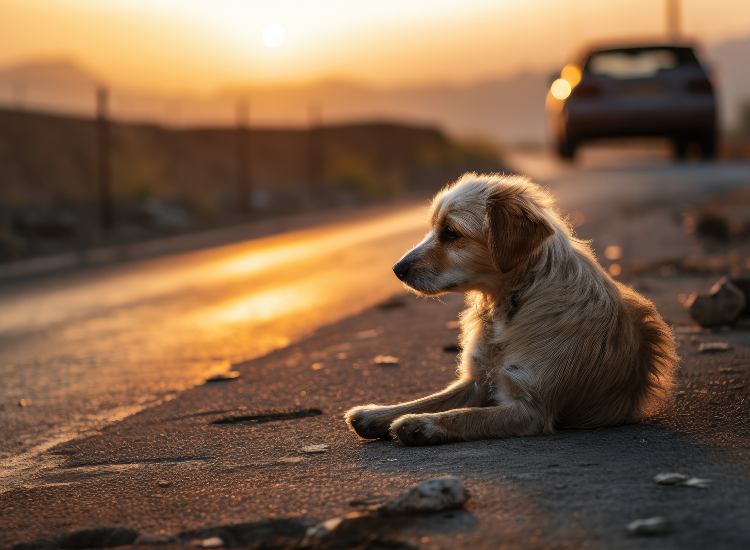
(273, 36)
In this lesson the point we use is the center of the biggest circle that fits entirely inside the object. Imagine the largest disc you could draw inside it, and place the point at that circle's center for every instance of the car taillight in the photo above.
(700, 85)
(587, 89)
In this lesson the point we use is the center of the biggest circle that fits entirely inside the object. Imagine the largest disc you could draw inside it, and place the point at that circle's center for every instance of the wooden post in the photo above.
(103, 159)
(244, 158)
(314, 151)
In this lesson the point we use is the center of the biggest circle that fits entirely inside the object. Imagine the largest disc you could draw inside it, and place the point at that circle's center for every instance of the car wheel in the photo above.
(566, 148)
(680, 149)
(708, 147)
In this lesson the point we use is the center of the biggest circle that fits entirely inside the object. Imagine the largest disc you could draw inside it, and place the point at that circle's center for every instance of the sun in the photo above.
(273, 36)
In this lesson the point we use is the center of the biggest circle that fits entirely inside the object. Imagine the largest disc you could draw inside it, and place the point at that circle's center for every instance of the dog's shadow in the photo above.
(586, 485)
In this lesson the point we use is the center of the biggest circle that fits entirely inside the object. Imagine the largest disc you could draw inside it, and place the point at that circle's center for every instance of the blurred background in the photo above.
(125, 120)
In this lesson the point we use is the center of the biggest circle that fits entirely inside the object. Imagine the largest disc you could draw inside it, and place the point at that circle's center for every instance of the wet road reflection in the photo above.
(84, 347)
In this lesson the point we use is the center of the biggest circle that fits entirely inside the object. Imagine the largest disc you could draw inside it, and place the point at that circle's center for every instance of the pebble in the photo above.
(670, 478)
(721, 306)
(24, 402)
(433, 495)
(211, 542)
(385, 360)
(315, 449)
(164, 483)
(650, 526)
(224, 376)
(678, 479)
(291, 459)
(367, 334)
(713, 347)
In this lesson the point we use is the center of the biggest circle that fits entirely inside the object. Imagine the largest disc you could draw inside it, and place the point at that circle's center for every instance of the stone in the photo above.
(433, 495)
(315, 449)
(713, 347)
(224, 376)
(670, 478)
(721, 306)
(210, 542)
(650, 526)
(385, 360)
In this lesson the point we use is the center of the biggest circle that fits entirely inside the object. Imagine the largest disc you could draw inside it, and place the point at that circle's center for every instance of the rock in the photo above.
(712, 225)
(650, 526)
(385, 360)
(713, 347)
(670, 478)
(681, 480)
(291, 459)
(224, 376)
(315, 449)
(721, 306)
(697, 482)
(433, 495)
(24, 403)
(164, 483)
(210, 542)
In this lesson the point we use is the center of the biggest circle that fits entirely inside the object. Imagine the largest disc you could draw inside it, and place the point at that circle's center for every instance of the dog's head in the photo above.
(482, 227)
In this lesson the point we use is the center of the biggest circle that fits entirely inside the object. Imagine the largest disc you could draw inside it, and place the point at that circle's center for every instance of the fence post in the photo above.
(104, 184)
(244, 158)
(314, 151)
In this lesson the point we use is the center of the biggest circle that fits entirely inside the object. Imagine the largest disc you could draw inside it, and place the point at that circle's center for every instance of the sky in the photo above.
(200, 45)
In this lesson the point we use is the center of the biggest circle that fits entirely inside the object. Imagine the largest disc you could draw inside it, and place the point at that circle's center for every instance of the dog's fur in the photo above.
(549, 339)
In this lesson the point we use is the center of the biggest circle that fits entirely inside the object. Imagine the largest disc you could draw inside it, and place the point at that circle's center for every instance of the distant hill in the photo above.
(507, 110)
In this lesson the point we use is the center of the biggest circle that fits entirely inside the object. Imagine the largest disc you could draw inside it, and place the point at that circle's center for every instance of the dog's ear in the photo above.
(516, 229)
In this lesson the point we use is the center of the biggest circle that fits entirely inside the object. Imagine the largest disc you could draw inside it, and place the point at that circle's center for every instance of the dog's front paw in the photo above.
(368, 421)
(418, 429)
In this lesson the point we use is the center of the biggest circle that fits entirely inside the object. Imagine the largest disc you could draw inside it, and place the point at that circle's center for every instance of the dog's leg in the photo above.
(373, 421)
(507, 419)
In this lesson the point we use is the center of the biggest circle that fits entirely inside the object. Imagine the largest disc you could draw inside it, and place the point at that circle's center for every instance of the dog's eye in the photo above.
(449, 234)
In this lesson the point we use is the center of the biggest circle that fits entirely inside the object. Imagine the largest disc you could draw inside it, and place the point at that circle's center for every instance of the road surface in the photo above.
(86, 348)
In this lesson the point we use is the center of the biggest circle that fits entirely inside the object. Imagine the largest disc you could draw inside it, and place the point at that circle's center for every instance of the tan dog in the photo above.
(549, 339)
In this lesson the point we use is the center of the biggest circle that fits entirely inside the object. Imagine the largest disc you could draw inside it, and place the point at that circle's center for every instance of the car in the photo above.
(658, 89)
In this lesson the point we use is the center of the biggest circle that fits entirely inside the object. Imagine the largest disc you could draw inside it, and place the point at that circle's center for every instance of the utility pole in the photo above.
(673, 12)
(244, 160)
(314, 150)
(104, 184)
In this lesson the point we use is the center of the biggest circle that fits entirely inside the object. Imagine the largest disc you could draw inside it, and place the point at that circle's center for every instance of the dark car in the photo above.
(642, 90)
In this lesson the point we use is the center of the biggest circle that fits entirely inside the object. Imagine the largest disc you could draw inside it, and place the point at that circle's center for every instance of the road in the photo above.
(89, 347)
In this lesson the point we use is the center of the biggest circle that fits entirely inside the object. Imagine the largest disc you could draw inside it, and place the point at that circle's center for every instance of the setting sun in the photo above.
(273, 36)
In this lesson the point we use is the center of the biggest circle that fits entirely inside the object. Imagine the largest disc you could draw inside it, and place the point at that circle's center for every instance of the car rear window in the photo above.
(638, 62)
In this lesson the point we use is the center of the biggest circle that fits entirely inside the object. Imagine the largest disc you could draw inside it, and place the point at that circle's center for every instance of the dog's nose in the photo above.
(401, 269)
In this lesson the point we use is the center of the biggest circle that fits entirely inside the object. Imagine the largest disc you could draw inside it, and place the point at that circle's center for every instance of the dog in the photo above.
(549, 340)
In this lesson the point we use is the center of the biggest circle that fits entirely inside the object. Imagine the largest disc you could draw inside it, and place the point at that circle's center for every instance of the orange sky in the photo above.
(199, 45)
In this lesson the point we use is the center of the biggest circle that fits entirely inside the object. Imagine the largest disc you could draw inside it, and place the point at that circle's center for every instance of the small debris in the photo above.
(369, 333)
(24, 402)
(670, 478)
(681, 480)
(650, 526)
(713, 347)
(433, 495)
(315, 449)
(392, 303)
(224, 377)
(451, 348)
(317, 366)
(210, 542)
(697, 482)
(721, 306)
(164, 483)
(291, 459)
(385, 360)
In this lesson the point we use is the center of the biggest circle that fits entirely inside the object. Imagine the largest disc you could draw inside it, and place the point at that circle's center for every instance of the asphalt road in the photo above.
(89, 347)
